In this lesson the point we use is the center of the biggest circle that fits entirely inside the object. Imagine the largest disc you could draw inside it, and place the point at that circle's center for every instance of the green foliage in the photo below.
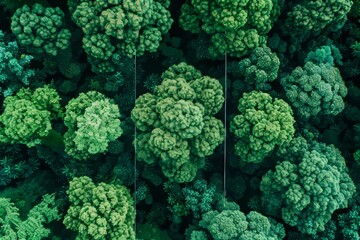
(198, 235)
(182, 70)
(199, 197)
(149, 231)
(236, 186)
(233, 224)
(301, 18)
(355, 47)
(129, 27)
(92, 121)
(177, 124)
(262, 124)
(235, 27)
(176, 201)
(15, 71)
(15, 163)
(27, 116)
(142, 193)
(123, 172)
(102, 211)
(328, 234)
(324, 54)
(260, 68)
(357, 156)
(13, 227)
(345, 226)
(306, 188)
(26, 194)
(315, 89)
(210, 137)
(296, 148)
(227, 224)
(180, 117)
(11, 6)
(350, 223)
(40, 29)
(168, 171)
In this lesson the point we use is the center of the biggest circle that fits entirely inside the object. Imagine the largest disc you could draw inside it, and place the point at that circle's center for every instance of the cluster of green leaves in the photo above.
(13, 227)
(235, 27)
(40, 30)
(15, 71)
(92, 121)
(105, 111)
(177, 125)
(262, 124)
(317, 88)
(306, 181)
(100, 211)
(128, 27)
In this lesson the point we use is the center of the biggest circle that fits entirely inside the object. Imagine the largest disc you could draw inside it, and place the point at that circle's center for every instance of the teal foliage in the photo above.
(72, 168)
(176, 201)
(315, 89)
(123, 172)
(149, 231)
(357, 156)
(199, 48)
(13, 227)
(329, 233)
(170, 49)
(11, 6)
(234, 224)
(116, 62)
(323, 54)
(355, 47)
(198, 235)
(113, 81)
(67, 86)
(236, 186)
(5, 177)
(227, 224)
(199, 197)
(142, 192)
(350, 69)
(15, 164)
(350, 224)
(277, 229)
(357, 135)
(26, 193)
(40, 29)
(345, 225)
(152, 175)
(151, 82)
(68, 63)
(307, 187)
(15, 69)
(157, 214)
(259, 69)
